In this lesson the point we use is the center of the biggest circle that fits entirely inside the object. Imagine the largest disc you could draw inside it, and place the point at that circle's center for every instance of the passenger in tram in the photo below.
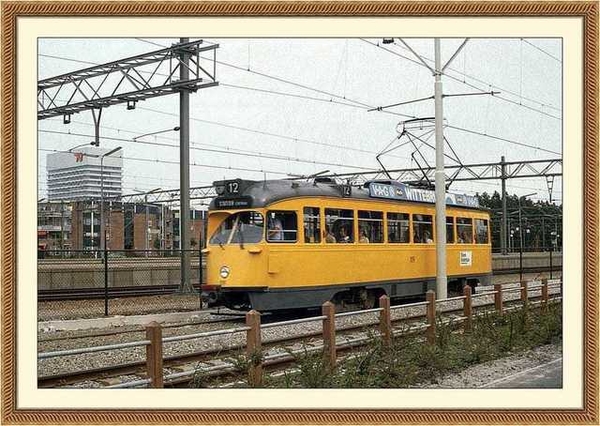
(363, 236)
(329, 238)
(464, 238)
(427, 237)
(344, 237)
(275, 230)
(416, 235)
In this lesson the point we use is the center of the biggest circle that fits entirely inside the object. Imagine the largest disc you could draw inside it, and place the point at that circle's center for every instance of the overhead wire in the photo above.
(359, 103)
(220, 151)
(504, 90)
(344, 147)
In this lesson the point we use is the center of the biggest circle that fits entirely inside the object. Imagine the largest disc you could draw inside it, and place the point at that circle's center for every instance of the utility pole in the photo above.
(184, 173)
(503, 227)
(440, 180)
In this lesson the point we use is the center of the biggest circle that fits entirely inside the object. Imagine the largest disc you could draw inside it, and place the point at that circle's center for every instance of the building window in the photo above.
(398, 227)
(282, 227)
(312, 225)
(422, 228)
(370, 227)
(464, 228)
(339, 226)
(481, 231)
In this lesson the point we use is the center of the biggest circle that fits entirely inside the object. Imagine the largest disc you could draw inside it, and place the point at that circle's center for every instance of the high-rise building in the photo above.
(76, 176)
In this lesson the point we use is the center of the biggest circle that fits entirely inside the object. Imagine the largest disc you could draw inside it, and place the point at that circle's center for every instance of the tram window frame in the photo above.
(423, 226)
(398, 222)
(477, 227)
(367, 219)
(461, 224)
(315, 221)
(450, 234)
(220, 237)
(346, 221)
(249, 236)
(284, 226)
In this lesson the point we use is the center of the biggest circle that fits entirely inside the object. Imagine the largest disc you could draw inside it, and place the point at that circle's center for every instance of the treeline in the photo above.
(539, 222)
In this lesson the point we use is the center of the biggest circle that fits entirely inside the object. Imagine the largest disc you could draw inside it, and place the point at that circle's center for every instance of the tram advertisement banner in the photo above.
(466, 258)
(400, 191)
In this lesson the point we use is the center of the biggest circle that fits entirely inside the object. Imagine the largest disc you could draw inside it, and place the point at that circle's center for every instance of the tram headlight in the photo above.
(224, 272)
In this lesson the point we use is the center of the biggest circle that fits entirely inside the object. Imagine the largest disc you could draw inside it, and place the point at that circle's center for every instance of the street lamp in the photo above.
(79, 146)
(174, 129)
(521, 236)
(102, 233)
(146, 193)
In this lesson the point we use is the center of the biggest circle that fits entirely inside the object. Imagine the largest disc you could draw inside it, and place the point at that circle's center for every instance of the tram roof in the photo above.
(257, 194)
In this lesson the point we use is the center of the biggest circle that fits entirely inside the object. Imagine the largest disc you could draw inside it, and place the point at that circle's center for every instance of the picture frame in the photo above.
(13, 10)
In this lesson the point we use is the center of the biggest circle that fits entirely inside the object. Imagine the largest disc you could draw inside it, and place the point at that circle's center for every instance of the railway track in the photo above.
(157, 290)
(210, 359)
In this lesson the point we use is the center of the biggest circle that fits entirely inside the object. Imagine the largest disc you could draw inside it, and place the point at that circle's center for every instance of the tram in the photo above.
(283, 244)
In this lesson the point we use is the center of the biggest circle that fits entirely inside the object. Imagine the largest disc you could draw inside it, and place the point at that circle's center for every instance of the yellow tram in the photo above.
(283, 244)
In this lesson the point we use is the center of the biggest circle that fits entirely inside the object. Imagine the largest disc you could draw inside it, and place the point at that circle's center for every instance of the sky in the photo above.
(305, 102)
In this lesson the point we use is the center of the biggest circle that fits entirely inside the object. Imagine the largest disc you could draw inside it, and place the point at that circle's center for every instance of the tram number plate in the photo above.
(466, 258)
(346, 191)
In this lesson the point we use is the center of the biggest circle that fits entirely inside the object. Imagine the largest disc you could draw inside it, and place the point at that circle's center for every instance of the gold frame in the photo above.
(587, 10)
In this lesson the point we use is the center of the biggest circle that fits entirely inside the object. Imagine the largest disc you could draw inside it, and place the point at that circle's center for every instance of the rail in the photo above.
(154, 341)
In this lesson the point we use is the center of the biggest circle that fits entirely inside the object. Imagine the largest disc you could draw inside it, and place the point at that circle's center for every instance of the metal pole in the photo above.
(92, 228)
(146, 224)
(184, 173)
(503, 227)
(105, 282)
(102, 242)
(440, 180)
(162, 228)
(520, 244)
(543, 234)
(62, 228)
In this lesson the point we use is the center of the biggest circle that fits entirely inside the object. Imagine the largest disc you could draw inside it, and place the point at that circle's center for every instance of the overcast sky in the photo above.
(317, 118)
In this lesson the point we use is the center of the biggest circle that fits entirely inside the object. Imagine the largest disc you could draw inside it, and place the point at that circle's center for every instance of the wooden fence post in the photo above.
(430, 297)
(329, 349)
(385, 320)
(524, 294)
(154, 360)
(498, 298)
(468, 307)
(253, 348)
(545, 294)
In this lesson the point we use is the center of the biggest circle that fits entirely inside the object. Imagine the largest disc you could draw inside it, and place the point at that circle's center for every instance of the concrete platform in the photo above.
(545, 376)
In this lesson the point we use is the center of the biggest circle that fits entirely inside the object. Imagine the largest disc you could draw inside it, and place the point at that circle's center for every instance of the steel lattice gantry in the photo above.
(127, 80)
(167, 196)
(465, 172)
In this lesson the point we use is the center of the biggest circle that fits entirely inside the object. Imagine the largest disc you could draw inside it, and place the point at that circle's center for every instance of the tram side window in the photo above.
(312, 225)
(481, 231)
(449, 230)
(282, 227)
(422, 228)
(370, 227)
(398, 227)
(464, 228)
(339, 226)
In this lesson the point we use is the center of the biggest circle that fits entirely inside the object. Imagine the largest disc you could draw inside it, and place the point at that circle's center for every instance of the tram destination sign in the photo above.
(400, 191)
(233, 203)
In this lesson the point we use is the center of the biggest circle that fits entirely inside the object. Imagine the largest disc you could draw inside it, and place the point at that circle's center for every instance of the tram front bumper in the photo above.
(211, 295)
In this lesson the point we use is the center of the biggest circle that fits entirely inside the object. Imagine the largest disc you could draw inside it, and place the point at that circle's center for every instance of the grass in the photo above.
(410, 361)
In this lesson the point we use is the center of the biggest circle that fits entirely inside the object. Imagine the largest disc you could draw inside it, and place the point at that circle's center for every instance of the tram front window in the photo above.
(239, 228)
